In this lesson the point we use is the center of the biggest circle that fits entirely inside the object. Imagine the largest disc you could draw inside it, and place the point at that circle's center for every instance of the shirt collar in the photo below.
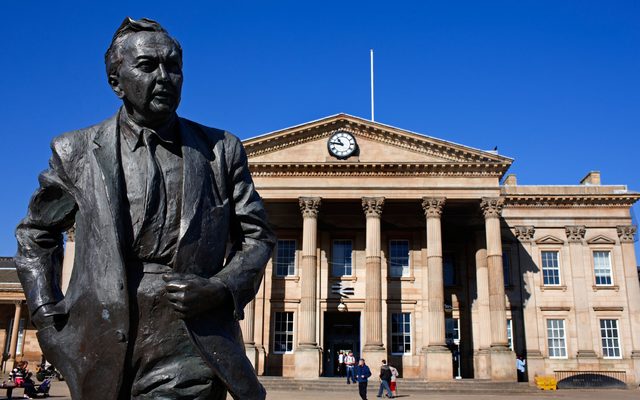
(132, 132)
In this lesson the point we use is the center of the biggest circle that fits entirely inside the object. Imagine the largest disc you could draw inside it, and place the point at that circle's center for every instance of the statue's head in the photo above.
(144, 68)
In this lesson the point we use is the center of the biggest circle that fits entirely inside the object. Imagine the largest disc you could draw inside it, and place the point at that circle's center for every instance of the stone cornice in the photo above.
(570, 201)
(378, 169)
(372, 206)
(359, 127)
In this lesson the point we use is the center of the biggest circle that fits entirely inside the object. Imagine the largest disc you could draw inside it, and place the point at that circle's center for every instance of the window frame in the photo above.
(510, 341)
(595, 275)
(351, 257)
(559, 267)
(617, 339)
(295, 258)
(402, 335)
(563, 338)
(286, 333)
(390, 259)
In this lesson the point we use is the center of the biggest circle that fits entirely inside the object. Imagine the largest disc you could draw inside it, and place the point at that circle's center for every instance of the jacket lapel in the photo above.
(108, 159)
(197, 184)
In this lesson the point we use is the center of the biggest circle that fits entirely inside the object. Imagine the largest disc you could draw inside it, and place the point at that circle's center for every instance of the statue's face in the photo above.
(149, 78)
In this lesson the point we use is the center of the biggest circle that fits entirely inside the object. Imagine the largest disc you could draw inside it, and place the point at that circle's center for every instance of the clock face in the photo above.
(342, 144)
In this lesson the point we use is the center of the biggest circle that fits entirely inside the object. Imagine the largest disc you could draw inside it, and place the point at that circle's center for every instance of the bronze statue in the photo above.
(171, 242)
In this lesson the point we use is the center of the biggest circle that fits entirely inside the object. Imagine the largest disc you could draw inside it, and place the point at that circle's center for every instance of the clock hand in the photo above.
(338, 143)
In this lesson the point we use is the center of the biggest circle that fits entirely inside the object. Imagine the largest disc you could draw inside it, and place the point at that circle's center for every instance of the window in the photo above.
(602, 267)
(341, 258)
(452, 330)
(400, 333)
(286, 257)
(506, 267)
(398, 258)
(610, 338)
(283, 332)
(449, 270)
(556, 340)
(550, 268)
(20, 337)
(510, 333)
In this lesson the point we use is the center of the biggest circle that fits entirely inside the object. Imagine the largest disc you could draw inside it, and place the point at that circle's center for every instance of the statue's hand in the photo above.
(192, 295)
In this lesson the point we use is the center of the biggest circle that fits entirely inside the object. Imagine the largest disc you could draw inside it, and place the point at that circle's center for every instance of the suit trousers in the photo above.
(164, 362)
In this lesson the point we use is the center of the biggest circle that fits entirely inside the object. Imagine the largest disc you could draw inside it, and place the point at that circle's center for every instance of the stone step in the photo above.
(404, 385)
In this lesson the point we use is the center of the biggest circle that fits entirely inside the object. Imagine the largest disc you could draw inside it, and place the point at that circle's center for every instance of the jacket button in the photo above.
(121, 336)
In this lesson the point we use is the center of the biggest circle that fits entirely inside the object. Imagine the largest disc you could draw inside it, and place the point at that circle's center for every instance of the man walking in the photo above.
(362, 375)
(350, 362)
(385, 380)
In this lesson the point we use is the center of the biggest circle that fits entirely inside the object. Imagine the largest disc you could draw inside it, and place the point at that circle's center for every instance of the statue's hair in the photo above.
(113, 56)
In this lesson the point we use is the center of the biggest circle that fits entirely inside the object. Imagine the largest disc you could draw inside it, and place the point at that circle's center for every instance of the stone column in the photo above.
(482, 357)
(580, 288)
(13, 346)
(502, 358)
(67, 260)
(247, 325)
(308, 353)
(437, 357)
(373, 350)
(535, 361)
(626, 234)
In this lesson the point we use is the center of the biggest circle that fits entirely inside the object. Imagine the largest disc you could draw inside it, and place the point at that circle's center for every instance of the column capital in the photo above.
(524, 233)
(71, 234)
(17, 303)
(432, 206)
(372, 206)
(492, 206)
(309, 206)
(626, 233)
(575, 233)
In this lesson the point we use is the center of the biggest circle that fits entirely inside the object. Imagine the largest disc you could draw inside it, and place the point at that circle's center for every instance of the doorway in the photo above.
(341, 333)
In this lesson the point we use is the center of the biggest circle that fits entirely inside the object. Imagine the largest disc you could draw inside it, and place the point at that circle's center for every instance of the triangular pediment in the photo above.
(601, 239)
(378, 144)
(549, 240)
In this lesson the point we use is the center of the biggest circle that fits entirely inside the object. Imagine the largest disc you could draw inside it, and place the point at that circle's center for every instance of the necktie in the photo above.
(149, 237)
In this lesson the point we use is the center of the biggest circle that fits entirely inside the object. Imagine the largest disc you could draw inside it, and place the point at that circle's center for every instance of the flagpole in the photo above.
(372, 103)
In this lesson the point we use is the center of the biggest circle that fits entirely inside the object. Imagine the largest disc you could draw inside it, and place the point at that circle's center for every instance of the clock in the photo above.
(342, 144)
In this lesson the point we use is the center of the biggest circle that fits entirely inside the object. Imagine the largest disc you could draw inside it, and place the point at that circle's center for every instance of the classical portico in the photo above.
(373, 270)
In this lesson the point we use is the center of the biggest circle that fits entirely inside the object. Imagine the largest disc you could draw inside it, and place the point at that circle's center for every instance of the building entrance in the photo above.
(341, 333)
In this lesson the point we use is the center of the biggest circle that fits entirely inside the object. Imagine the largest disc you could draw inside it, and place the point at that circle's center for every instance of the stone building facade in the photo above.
(404, 247)
(399, 246)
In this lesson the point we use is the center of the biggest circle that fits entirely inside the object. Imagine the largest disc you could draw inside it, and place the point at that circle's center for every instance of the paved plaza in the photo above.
(59, 391)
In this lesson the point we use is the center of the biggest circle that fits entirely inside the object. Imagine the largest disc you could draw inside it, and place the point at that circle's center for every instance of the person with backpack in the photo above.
(385, 380)
(362, 373)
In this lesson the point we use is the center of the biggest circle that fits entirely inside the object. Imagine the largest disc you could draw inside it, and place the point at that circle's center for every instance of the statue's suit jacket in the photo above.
(84, 184)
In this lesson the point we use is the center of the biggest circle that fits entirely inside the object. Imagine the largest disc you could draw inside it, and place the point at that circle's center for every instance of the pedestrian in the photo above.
(363, 373)
(341, 371)
(350, 362)
(521, 365)
(394, 378)
(385, 380)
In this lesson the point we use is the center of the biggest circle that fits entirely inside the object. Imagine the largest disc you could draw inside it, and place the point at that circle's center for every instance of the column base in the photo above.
(437, 364)
(307, 361)
(503, 364)
(252, 354)
(482, 364)
(373, 356)
(262, 356)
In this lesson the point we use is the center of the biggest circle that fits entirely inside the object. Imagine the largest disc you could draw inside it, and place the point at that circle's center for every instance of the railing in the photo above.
(587, 379)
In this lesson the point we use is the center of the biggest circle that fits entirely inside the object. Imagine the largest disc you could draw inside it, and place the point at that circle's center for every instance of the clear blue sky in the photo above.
(553, 84)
